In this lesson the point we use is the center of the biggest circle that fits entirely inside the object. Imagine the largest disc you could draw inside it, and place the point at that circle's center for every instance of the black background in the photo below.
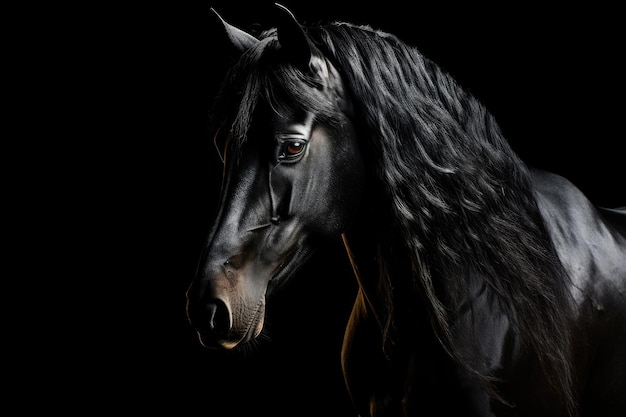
(143, 178)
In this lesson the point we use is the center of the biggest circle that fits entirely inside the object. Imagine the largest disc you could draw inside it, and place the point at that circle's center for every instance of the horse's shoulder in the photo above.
(567, 212)
(557, 191)
(566, 209)
(590, 240)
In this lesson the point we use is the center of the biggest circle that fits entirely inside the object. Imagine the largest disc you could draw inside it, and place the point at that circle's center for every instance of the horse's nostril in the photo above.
(219, 317)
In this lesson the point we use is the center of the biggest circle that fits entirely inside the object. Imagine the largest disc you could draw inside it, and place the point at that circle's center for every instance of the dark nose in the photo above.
(219, 318)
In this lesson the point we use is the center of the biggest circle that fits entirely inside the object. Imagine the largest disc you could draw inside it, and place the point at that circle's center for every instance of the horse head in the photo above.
(294, 180)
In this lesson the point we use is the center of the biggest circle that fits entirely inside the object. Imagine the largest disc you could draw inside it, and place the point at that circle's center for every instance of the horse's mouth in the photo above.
(232, 339)
(253, 329)
(255, 326)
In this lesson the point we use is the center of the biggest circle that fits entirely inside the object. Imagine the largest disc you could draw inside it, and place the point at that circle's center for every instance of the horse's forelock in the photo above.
(265, 79)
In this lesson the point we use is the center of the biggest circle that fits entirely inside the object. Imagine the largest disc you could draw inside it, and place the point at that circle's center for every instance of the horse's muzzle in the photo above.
(225, 320)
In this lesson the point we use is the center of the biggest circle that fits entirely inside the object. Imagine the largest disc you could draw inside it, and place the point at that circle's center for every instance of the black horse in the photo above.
(484, 285)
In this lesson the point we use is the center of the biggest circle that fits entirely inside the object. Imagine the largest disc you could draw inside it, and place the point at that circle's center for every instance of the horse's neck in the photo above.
(409, 304)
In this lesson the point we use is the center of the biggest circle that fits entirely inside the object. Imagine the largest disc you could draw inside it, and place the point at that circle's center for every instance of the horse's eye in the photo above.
(291, 150)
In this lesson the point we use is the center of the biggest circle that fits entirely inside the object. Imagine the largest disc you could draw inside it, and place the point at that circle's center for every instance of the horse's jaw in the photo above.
(290, 266)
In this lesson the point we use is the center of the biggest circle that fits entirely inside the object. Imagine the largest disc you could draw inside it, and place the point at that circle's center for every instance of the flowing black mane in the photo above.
(461, 201)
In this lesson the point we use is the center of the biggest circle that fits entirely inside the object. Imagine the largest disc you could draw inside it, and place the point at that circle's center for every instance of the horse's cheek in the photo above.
(336, 188)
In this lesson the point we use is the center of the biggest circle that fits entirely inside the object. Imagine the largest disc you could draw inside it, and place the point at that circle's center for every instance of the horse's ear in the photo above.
(293, 40)
(238, 40)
